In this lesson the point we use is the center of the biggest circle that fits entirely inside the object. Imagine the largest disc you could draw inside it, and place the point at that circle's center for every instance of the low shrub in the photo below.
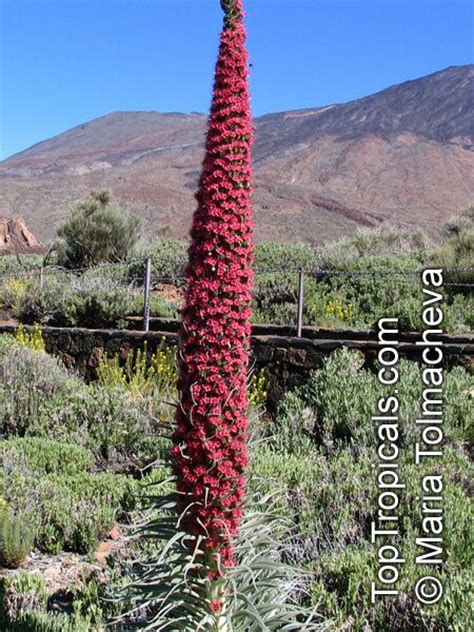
(111, 424)
(45, 456)
(160, 307)
(7, 342)
(92, 300)
(13, 292)
(107, 273)
(97, 304)
(458, 314)
(19, 264)
(272, 256)
(21, 595)
(24, 604)
(383, 289)
(383, 241)
(321, 452)
(49, 402)
(103, 295)
(68, 512)
(16, 538)
(168, 260)
(342, 398)
(343, 569)
(96, 231)
(456, 251)
(40, 384)
(44, 305)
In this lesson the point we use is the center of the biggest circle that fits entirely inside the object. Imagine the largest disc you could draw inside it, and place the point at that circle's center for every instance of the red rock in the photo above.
(16, 238)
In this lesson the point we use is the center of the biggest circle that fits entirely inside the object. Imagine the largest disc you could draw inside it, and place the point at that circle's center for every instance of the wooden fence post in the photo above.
(147, 292)
(299, 322)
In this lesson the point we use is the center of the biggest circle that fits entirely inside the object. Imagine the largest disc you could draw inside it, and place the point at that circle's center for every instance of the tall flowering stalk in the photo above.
(216, 568)
(210, 451)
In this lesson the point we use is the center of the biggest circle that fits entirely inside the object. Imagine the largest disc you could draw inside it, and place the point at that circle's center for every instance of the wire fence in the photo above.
(147, 280)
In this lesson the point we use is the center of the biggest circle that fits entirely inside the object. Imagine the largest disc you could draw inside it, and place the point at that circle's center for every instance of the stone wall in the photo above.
(288, 360)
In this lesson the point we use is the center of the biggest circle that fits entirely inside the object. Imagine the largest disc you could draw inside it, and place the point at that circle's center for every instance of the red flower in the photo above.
(216, 605)
(209, 453)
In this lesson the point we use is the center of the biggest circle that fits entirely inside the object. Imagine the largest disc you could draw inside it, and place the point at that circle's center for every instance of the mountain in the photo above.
(403, 155)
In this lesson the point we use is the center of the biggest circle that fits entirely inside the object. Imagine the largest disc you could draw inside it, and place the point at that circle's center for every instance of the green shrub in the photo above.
(54, 622)
(168, 260)
(19, 264)
(68, 512)
(321, 451)
(16, 538)
(32, 387)
(457, 251)
(43, 305)
(458, 314)
(95, 300)
(272, 256)
(105, 294)
(381, 289)
(381, 257)
(23, 607)
(97, 309)
(333, 501)
(275, 289)
(384, 241)
(340, 399)
(331, 508)
(6, 344)
(45, 456)
(161, 307)
(107, 274)
(342, 574)
(89, 301)
(106, 421)
(114, 425)
(13, 291)
(21, 595)
(39, 398)
(96, 231)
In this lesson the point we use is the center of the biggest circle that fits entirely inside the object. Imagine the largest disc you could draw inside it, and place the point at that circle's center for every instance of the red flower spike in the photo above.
(210, 452)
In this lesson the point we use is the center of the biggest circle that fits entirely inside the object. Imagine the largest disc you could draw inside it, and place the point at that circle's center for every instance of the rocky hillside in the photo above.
(403, 155)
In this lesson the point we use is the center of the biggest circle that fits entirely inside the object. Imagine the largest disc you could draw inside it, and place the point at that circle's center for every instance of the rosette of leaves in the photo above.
(173, 590)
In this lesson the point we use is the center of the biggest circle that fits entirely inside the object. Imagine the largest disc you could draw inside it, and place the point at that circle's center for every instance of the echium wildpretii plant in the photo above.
(210, 451)
(217, 569)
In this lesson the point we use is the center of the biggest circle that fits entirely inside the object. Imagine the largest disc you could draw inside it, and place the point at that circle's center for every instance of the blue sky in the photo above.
(63, 62)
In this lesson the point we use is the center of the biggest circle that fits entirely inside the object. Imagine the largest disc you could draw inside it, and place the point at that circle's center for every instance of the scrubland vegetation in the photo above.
(76, 460)
(355, 282)
(79, 459)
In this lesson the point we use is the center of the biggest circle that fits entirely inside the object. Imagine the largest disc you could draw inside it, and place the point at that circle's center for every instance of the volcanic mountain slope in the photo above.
(403, 155)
